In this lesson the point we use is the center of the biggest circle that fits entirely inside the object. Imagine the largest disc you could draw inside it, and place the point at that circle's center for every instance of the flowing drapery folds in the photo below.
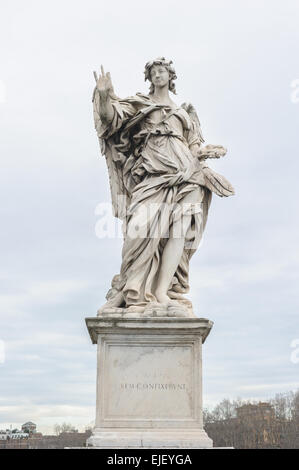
(151, 152)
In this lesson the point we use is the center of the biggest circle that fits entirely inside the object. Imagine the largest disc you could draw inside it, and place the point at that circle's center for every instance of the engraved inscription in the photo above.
(148, 381)
(152, 386)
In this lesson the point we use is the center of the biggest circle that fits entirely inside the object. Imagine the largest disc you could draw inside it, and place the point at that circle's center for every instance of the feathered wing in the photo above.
(216, 183)
(120, 198)
(189, 108)
(115, 160)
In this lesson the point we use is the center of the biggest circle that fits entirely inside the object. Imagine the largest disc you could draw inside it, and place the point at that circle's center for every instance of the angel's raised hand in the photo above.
(104, 82)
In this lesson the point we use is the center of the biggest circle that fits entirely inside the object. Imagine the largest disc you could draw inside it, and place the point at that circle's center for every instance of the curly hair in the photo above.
(165, 63)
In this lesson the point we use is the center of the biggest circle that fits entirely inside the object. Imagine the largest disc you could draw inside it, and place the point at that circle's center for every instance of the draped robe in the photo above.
(148, 151)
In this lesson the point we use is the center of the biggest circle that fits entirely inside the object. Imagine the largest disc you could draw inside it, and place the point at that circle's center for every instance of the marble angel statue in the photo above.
(161, 189)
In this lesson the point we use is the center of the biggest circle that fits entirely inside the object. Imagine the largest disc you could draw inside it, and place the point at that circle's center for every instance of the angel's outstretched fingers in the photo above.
(102, 71)
(95, 76)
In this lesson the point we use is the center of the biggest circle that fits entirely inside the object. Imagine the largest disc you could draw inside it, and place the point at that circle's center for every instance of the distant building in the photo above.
(255, 426)
(261, 411)
(30, 439)
(15, 434)
(29, 427)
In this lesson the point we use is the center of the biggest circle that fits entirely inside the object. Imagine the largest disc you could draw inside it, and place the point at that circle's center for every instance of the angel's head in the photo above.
(160, 72)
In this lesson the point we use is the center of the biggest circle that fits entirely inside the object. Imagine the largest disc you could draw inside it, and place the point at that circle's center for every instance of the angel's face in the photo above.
(159, 76)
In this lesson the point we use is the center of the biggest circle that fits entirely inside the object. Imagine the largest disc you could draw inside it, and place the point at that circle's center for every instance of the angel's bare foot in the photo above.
(113, 303)
(163, 298)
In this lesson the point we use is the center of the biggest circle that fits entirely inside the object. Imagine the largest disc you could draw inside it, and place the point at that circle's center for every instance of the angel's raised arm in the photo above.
(110, 112)
(105, 93)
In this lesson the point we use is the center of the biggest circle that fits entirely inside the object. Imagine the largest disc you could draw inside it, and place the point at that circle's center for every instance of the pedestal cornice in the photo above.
(161, 325)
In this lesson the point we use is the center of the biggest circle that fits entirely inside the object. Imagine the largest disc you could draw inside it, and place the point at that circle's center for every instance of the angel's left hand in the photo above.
(211, 151)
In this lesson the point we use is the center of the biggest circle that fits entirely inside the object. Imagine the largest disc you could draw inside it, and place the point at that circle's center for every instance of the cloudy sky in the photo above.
(237, 62)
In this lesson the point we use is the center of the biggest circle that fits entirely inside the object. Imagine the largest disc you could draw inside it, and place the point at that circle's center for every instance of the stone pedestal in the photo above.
(149, 382)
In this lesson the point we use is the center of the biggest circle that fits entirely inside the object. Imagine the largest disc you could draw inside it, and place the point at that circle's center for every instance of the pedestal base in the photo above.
(165, 439)
(149, 390)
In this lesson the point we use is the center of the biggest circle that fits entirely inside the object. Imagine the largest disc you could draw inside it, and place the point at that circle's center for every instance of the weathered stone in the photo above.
(149, 384)
(161, 188)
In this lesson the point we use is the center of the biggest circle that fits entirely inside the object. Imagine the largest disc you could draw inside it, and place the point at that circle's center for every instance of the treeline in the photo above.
(252, 425)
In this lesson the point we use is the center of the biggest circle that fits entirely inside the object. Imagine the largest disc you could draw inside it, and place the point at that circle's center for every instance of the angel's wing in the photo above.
(189, 108)
(115, 160)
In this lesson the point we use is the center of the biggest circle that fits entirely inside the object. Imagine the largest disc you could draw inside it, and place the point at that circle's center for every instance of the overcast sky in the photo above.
(236, 62)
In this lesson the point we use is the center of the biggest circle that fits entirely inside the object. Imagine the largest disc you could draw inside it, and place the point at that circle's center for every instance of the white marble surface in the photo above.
(149, 391)
(161, 187)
